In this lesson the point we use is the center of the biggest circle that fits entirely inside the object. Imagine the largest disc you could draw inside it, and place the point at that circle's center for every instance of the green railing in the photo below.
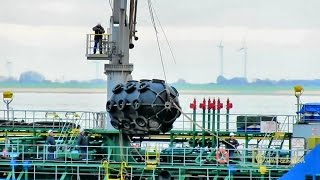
(191, 161)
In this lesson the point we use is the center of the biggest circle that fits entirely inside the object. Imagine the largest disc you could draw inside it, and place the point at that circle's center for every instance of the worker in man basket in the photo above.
(98, 33)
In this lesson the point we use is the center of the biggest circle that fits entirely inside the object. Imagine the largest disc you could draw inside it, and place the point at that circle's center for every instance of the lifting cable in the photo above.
(156, 33)
(195, 123)
(164, 34)
(152, 13)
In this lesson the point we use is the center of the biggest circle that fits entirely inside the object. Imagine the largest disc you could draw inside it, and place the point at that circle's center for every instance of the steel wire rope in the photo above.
(110, 6)
(195, 123)
(164, 34)
(151, 10)
(142, 158)
(167, 90)
(156, 34)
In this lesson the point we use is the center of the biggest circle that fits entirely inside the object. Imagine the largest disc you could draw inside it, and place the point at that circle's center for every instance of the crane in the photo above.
(116, 45)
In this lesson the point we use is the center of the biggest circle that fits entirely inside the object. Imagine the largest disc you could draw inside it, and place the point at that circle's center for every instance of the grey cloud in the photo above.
(249, 13)
(54, 12)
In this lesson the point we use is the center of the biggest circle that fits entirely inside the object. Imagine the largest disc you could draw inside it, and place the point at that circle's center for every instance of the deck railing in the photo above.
(37, 153)
(202, 159)
(97, 120)
(52, 119)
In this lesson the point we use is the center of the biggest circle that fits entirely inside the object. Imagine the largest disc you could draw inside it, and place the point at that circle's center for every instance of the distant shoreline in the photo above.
(181, 91)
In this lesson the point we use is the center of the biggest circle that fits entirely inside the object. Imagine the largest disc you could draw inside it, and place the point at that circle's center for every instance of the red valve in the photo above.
(219, 104)
(212, 105)
(203, 104)
(229, 104)
(209, 102)
(194, 104)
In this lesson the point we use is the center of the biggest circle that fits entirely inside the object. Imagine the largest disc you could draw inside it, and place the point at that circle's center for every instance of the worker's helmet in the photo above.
(232, 134)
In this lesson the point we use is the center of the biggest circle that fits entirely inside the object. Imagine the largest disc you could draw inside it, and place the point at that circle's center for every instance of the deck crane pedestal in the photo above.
(116, 45)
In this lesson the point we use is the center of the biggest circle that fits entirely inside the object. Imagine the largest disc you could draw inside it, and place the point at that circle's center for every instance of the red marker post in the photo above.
(203, 106)
(209, 114)
(213, 107)
(219, 106)
(228, 107)
(193, 106)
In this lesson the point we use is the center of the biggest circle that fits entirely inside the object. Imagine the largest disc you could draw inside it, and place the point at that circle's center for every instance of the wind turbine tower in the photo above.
(97, 69)
(245, 54)
(220, 46)
(9, 69)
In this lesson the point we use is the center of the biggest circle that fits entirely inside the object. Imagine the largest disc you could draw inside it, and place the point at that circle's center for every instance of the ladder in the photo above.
(277, 140)
(152, 158)
(120, 176)
(65, 131)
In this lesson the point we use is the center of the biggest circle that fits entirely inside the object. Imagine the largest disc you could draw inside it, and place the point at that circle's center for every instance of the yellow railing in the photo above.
(123, 167)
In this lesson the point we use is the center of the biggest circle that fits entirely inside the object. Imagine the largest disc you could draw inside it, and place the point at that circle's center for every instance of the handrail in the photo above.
(44, 119)
(171, 156)
(86, 120)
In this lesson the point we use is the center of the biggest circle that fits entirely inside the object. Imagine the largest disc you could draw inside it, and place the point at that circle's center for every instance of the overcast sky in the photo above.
(283, 38)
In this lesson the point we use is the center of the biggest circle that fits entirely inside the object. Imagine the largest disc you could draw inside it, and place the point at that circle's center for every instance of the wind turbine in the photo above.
(220, 46)
(97, 69)
(9, 69)
(244, 48)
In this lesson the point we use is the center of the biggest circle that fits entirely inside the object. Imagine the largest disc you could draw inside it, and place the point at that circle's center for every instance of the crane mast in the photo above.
(116, 45)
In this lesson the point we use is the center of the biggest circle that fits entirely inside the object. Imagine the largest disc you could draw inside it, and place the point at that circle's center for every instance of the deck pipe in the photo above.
(193, 106)
(228, 107)
(203, 107)
(219, 106)
(209, 115)
(213, 107)
(26, 167)
(13, 163)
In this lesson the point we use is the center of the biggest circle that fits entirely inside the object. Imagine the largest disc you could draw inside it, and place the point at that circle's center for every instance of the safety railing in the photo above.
(42, 119)
(203, 160)
(167, 156)
(247, 123)
(102, 48)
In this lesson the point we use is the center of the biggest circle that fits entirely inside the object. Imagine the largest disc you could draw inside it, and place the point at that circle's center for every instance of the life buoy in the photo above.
(222, 156)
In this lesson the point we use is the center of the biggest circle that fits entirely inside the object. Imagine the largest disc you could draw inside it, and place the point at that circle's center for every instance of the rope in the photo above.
(174, 59)
(136, 149)
(185, 115)
(111, 6)
(121, 145)
(195, 123)
(156, 33)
